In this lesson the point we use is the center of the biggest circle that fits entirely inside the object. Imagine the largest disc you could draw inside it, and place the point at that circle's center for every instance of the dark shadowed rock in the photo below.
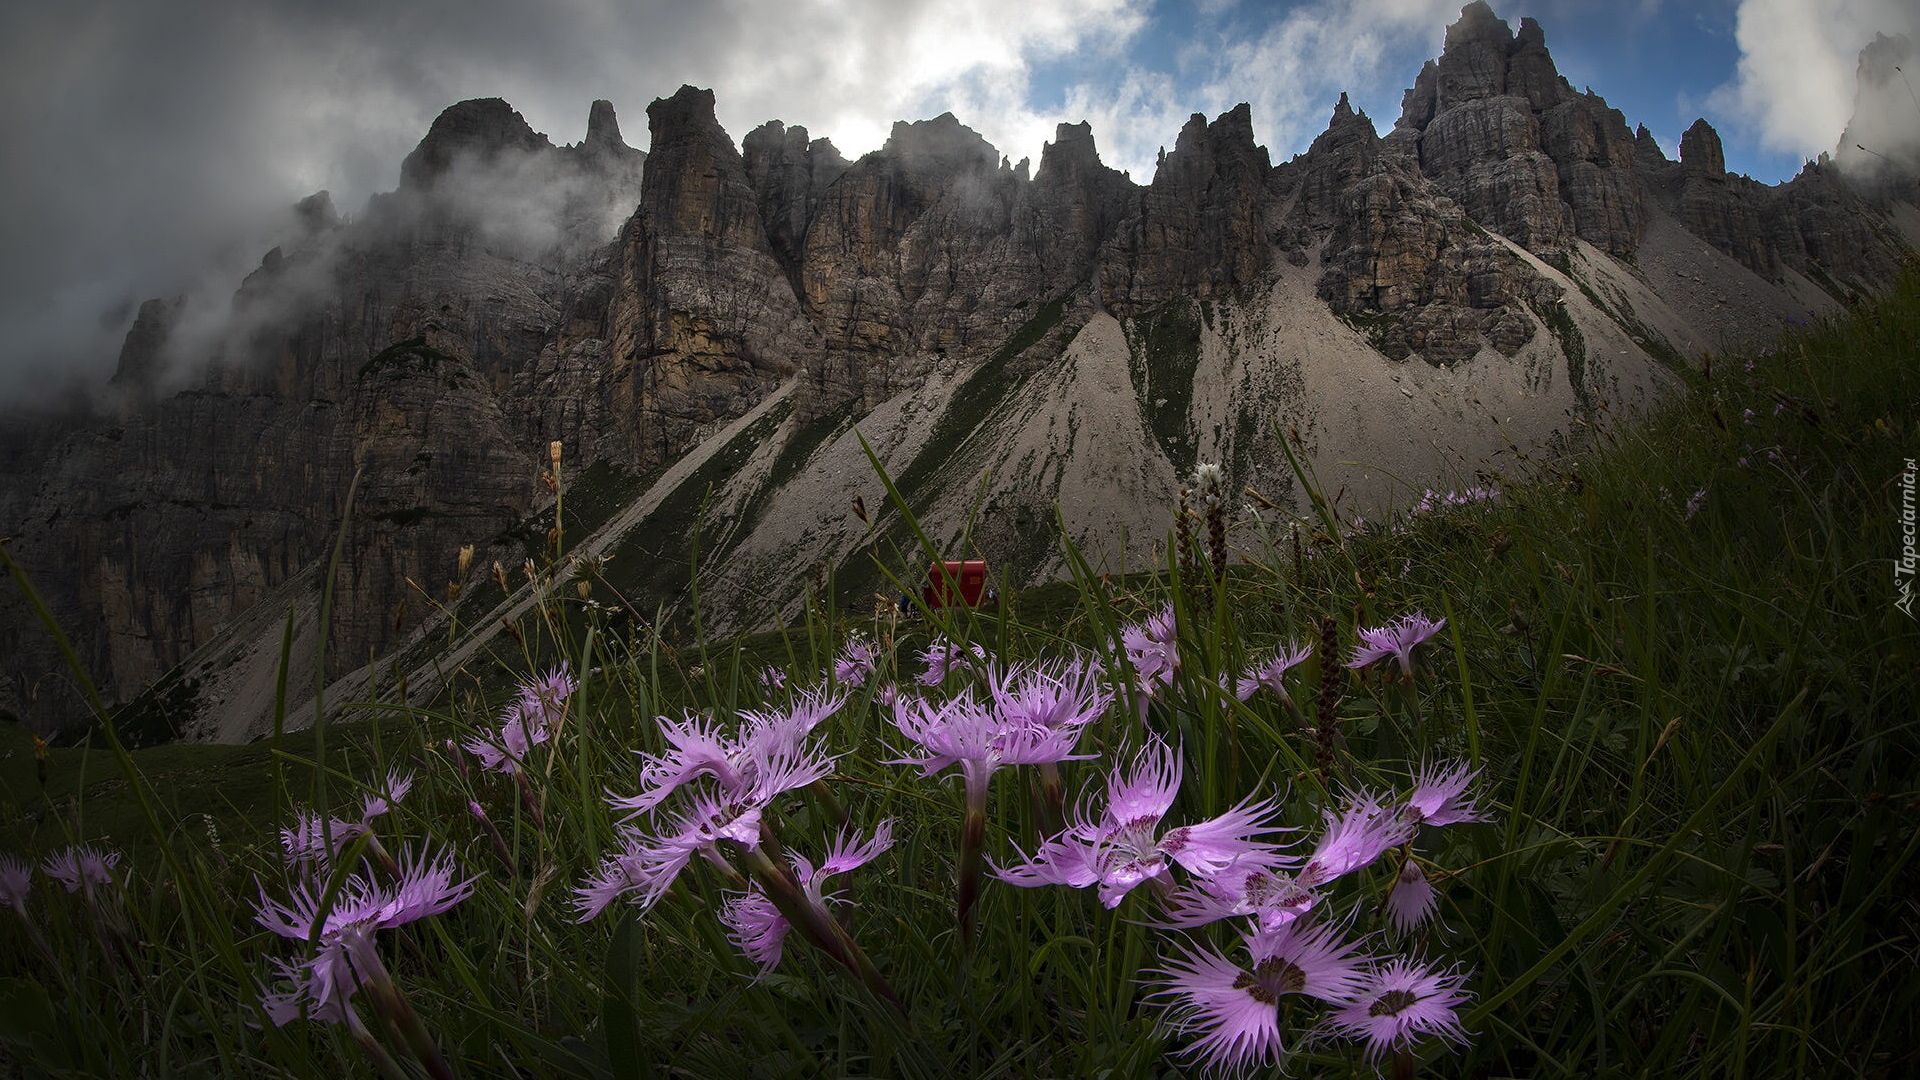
(315, 213)
(790, 174)
(140, 353)
(704, 320)
(1507, 138)
(1200, 226)
(603, 127)
(482, 130)
(1700, 152)
(1646, 149)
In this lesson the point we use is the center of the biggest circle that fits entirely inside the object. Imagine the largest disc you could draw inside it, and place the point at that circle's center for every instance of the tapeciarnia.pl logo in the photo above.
(1903, 567)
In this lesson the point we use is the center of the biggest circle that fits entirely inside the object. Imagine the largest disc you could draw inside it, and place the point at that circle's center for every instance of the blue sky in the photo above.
(1661, 64)
(145, 149)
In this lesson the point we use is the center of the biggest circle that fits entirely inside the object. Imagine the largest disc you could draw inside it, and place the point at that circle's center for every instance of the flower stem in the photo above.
(830, 806)
(1053, 800)
(369, 1045)
(1412, 693)
(816, 925)
(381, 856)
(973, 843)
(1329, 702)
(532, 802)
(500, 848)
(392, 1006)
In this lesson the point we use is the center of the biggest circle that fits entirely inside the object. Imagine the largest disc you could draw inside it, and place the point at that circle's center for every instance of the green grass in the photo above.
(1675, 660)
(1163, 348)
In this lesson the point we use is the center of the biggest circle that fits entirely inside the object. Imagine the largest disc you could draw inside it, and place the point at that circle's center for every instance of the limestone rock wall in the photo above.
(631, 305)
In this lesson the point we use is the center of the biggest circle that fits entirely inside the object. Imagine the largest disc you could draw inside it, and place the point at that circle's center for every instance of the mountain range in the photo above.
(711, 338)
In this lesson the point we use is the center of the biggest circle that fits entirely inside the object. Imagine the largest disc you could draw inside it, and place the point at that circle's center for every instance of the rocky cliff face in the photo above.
(1200, 225)
(726, 308)
(389, 347)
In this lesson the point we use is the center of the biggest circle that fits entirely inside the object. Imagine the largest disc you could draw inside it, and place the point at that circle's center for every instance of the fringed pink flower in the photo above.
(1234, 1008)
(1126, 845)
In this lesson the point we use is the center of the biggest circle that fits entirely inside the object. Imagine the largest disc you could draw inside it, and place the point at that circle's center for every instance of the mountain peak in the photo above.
(1700, 152)
(943, 143)
(603, 127)
(1882, 137)
(484, 128)
(1203, 148)
(1477, 23)
(1072, 153)
(688, 111)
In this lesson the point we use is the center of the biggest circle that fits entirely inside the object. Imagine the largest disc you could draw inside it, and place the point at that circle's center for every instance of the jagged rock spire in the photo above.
(1700, 152)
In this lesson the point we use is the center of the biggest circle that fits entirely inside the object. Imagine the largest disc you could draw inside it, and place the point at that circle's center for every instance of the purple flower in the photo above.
(942, 656)
(1433, 500)
(1269, 674)
(627, 870)
(757, 927)
(843, 855)
(80, 866)
(386, 796)
(1236, 1011)
(766, 756)
(1354, 839)
(766, 750)
(1411, 900)
(345, 959)
(1153, 649)
(1127, 846)
(1397, 640)
(16, 878)
(545, 698)
(1049, 697)
(855, 663)
(1401, 1001)
(963, 731)
(505, 751)
(773, 678)
(527, 721)
(306, 840)
(647, 865)
(1253, 886)
(1440, 797)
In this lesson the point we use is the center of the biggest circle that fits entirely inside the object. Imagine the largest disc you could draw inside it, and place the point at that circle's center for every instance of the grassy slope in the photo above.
(1676, 661)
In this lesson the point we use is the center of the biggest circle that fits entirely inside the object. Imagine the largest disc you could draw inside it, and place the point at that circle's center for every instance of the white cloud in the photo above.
(162, 136)
(1293, 73)
(1290, 70)
(874, 62)
(1795, 84)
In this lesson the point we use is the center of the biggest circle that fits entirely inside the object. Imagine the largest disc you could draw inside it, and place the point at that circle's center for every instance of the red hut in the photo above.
(952, 584)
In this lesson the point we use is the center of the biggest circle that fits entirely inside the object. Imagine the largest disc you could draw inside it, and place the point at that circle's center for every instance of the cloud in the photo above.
(1794, 87)
(1293, 71)
(162, 138)
(1290, 66)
